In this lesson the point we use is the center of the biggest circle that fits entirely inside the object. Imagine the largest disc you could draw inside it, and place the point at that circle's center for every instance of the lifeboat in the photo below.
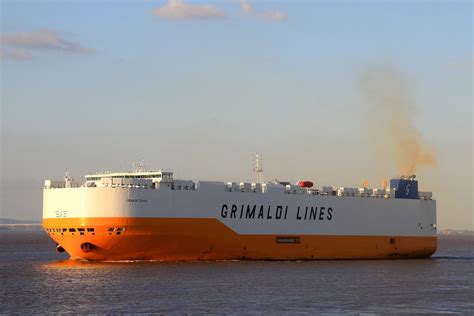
(305, 184)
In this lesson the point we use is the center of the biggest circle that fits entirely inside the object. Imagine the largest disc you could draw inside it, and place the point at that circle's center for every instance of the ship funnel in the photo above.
(405, 188)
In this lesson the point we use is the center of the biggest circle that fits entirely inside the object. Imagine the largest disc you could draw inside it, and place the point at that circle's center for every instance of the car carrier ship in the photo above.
(149, 215)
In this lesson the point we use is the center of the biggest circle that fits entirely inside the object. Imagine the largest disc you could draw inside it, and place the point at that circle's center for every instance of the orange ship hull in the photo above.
(173, 239)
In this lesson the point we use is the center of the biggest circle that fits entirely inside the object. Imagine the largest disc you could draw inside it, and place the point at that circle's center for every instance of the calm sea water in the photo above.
(36, 279)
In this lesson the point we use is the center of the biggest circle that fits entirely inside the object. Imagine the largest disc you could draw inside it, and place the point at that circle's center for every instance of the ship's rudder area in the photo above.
(409, 247)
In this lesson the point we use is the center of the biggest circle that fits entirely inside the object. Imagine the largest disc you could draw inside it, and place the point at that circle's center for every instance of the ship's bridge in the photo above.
(147, 177)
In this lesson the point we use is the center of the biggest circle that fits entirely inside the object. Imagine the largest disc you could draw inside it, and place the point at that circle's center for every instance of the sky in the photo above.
(198, 87)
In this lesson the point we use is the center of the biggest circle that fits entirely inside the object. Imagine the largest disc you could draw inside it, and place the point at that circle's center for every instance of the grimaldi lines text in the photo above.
(148, 215)
(278, 212)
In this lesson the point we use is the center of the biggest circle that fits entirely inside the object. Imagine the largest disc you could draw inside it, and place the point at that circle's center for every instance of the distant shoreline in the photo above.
(456, 232)
(10, 221)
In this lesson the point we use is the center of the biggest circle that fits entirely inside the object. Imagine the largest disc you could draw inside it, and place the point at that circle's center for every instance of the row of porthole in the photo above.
(117, 230)
(81, 230)
(71, 230)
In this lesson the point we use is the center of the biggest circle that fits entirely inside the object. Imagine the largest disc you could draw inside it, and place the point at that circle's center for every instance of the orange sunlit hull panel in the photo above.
(172, 239)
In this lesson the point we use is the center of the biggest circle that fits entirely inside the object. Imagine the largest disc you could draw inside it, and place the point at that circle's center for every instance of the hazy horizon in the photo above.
(199, 86)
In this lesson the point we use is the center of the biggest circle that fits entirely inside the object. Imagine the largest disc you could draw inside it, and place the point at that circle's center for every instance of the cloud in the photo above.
(16, 55)
(274, 16)
(267, 15)
(19, 46)
(43, 39)
(179, 10)
(246, 6)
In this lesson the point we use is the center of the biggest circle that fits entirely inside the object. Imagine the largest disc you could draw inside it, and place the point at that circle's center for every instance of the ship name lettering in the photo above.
(251, 214)
(321, 213)
(329, 213)
(224, 211)
(137, 200)
(61, 213)
(268, 212)
(279, 212)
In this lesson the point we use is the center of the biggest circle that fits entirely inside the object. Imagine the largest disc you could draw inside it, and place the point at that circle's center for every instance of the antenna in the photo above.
(139, 166)
(258, 168)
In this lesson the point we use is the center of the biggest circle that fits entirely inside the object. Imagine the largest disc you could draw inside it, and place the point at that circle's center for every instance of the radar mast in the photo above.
(258, 168)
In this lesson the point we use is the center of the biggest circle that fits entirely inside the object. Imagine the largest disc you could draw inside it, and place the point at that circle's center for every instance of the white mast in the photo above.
(258, 167)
